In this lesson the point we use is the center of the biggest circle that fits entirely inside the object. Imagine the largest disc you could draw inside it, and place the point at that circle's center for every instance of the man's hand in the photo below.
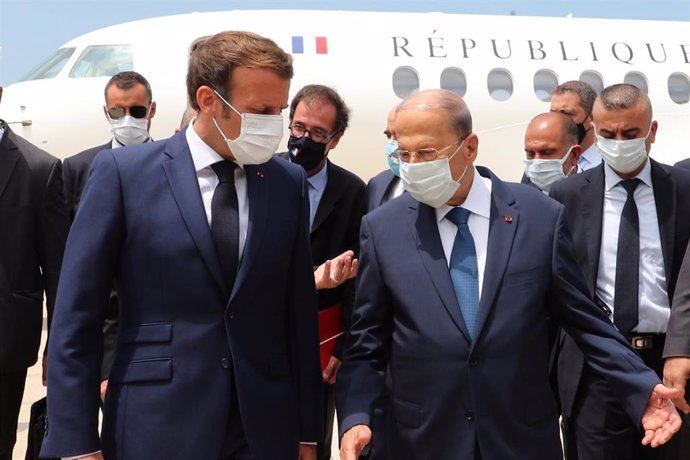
(660, 419)
(44, 374)
(336, 271)
(353, 441)
(104, 389)
(676, 375)
(329, 373)
(307, 452)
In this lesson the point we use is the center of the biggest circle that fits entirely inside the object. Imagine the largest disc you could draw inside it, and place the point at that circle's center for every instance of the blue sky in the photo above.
(30, 30)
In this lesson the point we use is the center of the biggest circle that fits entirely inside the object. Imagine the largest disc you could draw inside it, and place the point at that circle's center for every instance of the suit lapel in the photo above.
(665, 201)
(504, 220)
(179, 169)
(258, 212)
(422, 221)
(592, 193)
(9, 156)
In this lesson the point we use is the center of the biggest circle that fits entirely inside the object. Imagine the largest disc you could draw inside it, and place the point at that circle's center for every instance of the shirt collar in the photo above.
(203, 155)
(591, 154)
(612, 179)
(318, 180)
(478, 199)
(2, 132)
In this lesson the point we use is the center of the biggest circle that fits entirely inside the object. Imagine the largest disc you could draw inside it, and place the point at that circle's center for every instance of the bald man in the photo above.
(630, 220)
(386, 185)
(457, 278)
(551, 149)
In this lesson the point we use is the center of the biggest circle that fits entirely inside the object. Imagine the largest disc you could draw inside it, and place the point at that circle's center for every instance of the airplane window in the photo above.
(405, 81)
(594, 79)
(103, 61)
(51, 66)
(453, 79)
(545, 81)
(500, 84)
(636, 79)
(679, 88)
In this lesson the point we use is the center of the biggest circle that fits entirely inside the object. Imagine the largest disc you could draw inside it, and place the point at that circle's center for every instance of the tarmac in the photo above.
(35, 390)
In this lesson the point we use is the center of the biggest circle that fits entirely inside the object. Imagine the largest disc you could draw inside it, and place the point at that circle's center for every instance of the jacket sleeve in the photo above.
(677, 336)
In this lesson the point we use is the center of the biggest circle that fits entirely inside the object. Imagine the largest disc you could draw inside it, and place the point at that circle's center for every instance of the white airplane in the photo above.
(503, 66)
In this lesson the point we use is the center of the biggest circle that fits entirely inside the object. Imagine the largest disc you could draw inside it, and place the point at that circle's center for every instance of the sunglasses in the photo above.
(136, 111)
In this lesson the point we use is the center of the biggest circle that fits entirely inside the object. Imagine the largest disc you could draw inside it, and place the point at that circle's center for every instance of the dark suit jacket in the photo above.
(183, 345)
(33, 230)
(75, 172)
(448, 390)
(335, 230)
(378, 188)
(677, 335)
(685, 164)
(583, 198)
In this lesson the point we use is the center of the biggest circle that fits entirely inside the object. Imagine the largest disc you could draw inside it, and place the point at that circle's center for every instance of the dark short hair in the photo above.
(126, 80)
(212, 61)
(584, 91)
(323, 94)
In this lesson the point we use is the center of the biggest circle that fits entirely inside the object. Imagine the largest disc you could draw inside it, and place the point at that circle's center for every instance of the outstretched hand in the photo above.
(660, 419)
(336, 271)
(676, 375)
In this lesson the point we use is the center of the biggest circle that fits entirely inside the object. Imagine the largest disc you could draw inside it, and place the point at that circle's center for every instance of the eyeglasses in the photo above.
(316, 134)
(136, 111)
(428, 154)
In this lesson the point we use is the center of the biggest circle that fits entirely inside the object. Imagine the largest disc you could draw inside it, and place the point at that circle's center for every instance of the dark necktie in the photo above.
(626, 300)
(463, 268)
(225, 220)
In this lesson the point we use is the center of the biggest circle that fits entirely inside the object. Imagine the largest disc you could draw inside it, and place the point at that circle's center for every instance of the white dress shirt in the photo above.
(654, 310)
(2, 132)
(478, 202)
(203, 157)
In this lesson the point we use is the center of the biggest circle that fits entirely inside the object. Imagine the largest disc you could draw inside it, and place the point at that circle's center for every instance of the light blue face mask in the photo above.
(393, 163)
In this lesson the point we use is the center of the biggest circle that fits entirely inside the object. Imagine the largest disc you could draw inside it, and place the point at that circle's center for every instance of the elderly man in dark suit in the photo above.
(457, 279)
(207, 237)
(33, 230)
(630, 220)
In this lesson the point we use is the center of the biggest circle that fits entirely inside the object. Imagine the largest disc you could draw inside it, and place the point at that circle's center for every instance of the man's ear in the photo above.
(152, 112)
(334, 140)
(207, 100)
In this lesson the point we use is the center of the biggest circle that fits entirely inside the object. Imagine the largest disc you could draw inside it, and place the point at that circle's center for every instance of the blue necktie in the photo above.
(463, 268)
(225, 220)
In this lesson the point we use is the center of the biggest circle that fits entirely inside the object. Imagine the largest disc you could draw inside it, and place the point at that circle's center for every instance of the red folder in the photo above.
(330, 328)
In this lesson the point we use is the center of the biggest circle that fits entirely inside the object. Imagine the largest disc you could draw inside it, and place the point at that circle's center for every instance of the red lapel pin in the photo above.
(508, 219)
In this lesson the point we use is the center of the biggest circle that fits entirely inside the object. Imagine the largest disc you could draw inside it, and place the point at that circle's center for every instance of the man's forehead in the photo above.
(634, 116)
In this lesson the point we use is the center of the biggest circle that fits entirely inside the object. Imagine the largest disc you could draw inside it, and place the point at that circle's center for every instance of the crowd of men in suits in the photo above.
(474, 312)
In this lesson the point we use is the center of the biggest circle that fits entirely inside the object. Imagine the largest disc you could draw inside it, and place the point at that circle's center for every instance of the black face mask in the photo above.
(306, 152)
(581, 130)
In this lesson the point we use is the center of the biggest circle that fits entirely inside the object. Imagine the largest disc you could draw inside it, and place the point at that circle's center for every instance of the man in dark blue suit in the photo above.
(456, 281)
(207, 237)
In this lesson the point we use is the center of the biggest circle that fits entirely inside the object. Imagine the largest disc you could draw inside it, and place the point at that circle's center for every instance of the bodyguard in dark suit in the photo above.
(456, 280)
(318, 119)
(128, 101)
(386, 185)
(207, 237)
(635, 292)
(33, 230)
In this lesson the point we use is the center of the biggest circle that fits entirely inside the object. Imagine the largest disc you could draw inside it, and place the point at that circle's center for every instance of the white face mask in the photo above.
(623, 156)
(431, 182)
(543, 173)
(259, 137)
(129, 130)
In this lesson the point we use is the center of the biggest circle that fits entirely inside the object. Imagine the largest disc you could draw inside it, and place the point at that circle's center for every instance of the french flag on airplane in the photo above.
(321, 45)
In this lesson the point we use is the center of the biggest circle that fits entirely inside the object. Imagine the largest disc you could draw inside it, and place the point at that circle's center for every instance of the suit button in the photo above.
(225, 363)
(231, 315)
(469, 416)
(473, 362)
